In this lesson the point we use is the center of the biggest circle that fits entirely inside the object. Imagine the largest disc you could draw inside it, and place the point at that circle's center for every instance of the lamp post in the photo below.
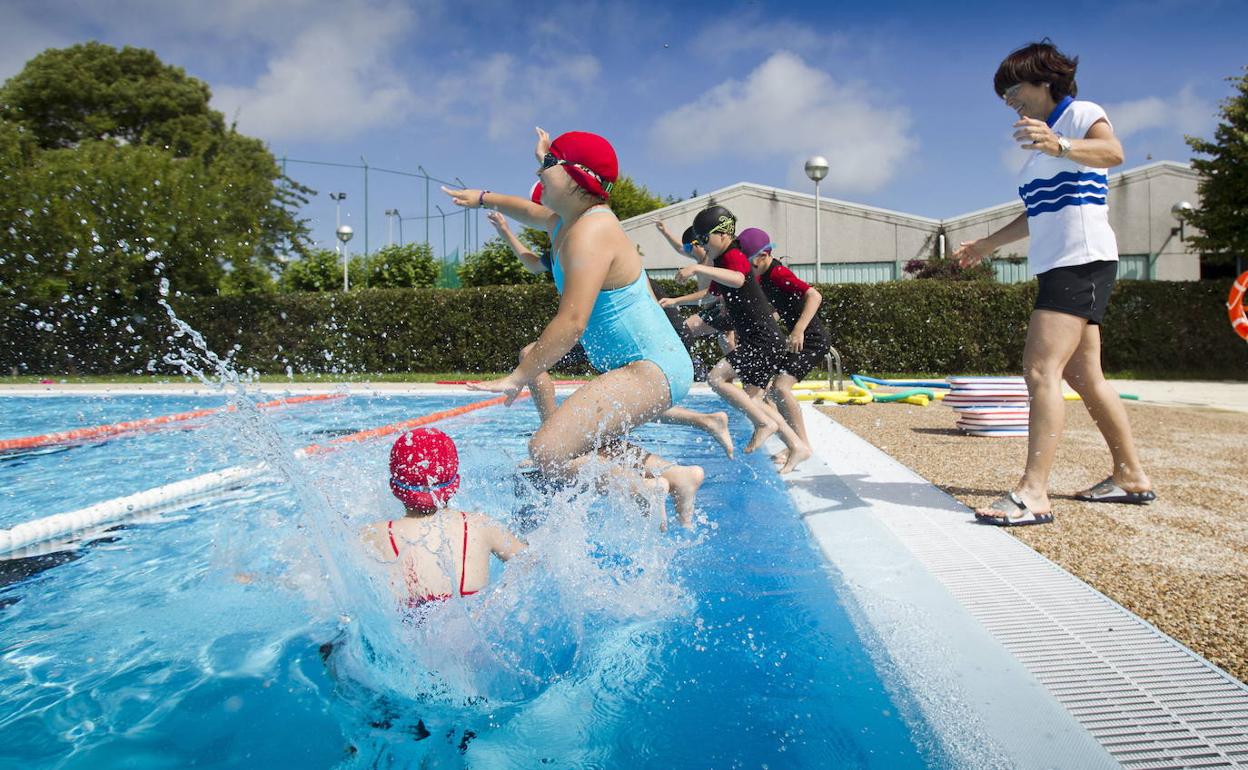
(390, 225)
(426, 175)
(344, 234)
(817, 169)
(1180, 211)
(338, 198)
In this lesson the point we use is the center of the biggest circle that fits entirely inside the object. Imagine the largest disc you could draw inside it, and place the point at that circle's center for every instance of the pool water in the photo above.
(198, 637)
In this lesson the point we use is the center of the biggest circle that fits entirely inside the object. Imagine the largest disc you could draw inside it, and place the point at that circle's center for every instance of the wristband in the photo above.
(481, 199)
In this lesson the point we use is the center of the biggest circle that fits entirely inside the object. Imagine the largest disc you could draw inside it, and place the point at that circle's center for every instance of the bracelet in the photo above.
(481, 199)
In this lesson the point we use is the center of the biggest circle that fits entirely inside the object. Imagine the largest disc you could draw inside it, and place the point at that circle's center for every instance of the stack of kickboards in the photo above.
(990, 406)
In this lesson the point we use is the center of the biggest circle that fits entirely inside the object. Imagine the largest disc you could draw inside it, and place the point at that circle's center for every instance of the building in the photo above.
(865, 244)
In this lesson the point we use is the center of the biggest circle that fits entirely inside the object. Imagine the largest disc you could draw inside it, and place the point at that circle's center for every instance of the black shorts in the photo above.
(757, 364)
(574, 359)
(815, 347)
(716, 318)
(1078, 290)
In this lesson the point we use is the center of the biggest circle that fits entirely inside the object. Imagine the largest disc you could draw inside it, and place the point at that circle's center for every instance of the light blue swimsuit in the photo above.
(627, 325)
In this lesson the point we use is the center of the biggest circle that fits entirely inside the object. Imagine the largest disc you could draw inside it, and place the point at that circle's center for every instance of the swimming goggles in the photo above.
(726, 225)
(550, 161)
(430, 488)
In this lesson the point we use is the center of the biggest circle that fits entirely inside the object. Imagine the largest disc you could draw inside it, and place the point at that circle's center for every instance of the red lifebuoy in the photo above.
(1235, 306)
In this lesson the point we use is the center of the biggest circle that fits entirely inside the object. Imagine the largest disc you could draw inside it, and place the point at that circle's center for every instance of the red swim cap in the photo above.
(591, 161)
(424, 469)
(535, 194)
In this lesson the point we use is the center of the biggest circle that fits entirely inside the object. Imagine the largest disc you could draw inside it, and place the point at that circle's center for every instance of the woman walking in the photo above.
(1074, 254)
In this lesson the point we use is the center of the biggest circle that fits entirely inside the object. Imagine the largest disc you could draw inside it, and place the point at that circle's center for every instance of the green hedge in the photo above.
(1153, 327)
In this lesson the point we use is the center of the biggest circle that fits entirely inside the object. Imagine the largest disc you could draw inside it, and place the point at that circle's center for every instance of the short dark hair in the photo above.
(1038, 63)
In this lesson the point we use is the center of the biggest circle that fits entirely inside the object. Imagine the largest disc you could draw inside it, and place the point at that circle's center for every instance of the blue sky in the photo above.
(898, 96)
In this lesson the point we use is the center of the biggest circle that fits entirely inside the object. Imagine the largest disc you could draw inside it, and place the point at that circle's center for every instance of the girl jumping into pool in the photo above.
(606, 304)
(797, 302)
(542, 388)
(759, 353)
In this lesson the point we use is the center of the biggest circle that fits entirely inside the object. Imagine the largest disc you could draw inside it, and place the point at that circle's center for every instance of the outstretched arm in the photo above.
(973, 252)
(671, 239)
(530, 260)
(721, 275)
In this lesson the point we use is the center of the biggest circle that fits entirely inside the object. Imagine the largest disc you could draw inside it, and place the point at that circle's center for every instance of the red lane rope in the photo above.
(385, 430)
(101, 431)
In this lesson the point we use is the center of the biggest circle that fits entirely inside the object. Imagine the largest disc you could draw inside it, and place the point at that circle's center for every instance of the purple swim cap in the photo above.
(753, 241)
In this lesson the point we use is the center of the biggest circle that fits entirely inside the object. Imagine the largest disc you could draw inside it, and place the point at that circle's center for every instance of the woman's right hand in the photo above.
(971, 253)
(499, 221)
(510, 386)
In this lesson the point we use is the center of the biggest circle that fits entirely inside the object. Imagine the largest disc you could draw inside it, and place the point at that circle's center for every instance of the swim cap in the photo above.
(591, 161)
(686, 240)
(424, 469)
(715, 219)
(754, 241)
(535, 194)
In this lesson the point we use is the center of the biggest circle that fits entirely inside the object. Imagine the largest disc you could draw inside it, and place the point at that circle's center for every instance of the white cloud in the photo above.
(333, 80)
(1183, 113)
(786, 110)
(509, 95)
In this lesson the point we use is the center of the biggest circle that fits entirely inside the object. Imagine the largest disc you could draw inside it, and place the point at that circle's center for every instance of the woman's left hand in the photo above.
(1032, 134)
(509, 386)
(468, 199)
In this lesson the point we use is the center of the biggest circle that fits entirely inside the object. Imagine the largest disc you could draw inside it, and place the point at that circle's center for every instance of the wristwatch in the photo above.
(1063, 146)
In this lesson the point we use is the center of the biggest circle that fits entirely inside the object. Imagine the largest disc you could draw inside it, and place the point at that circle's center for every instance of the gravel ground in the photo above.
(1180, 563)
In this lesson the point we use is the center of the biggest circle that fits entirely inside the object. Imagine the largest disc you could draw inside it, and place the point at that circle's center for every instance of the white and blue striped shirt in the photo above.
(1067, 211)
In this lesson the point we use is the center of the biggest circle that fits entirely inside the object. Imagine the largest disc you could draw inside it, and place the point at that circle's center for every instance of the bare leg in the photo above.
(1084, 374)
(720, 380)
(683, 481)
(781, 394)
(715, 423)
(1052, 338)
(797, 449)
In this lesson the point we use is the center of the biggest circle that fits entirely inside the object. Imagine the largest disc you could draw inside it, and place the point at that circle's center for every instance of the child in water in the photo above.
(435, 552)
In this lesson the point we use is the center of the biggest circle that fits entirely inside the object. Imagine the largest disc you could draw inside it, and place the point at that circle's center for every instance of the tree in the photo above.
(629, 199)
(116, 173)
(321, 270)
(403, 267)
(1222, 217)
(495, 265)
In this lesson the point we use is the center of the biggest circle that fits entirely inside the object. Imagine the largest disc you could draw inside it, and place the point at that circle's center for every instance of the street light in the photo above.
(817, 169)
(338, 198)
(344, 234)
(1180, 211)
(426, 174)
(390, 225)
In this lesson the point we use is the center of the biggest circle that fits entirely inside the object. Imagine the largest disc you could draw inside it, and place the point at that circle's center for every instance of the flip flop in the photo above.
(1010, 511)
(1109, 492)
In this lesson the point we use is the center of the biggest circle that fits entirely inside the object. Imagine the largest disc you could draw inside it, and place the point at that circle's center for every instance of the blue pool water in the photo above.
(194, 638)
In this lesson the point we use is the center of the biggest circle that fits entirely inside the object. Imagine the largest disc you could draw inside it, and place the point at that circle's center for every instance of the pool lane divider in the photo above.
(179, 493)
(149, 423)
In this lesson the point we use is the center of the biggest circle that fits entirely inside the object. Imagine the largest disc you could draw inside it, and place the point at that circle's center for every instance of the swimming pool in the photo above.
(198, 636)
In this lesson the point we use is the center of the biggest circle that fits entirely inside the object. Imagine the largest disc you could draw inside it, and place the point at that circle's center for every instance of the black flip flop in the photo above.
(1109, 492)
(1013, 512)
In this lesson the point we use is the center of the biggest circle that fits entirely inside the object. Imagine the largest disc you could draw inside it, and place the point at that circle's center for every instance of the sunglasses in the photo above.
(1011, 92)
(550, 161)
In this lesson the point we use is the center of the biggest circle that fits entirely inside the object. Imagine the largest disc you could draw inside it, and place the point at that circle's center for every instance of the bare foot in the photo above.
(684, 481)
(781, 457)
(761, 434)
(796, 456)
(719, 429)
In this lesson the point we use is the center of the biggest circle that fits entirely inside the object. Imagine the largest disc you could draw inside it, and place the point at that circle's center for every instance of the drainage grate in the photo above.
(1149, 701)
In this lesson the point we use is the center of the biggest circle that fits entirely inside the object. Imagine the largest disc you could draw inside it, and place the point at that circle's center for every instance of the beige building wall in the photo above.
(1139, 206)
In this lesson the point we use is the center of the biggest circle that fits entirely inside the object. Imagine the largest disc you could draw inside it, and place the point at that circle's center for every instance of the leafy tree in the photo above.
(321, 270)
(402, 267)
(629, 199)
(1222, 217)
(116, 173)
(495, 265)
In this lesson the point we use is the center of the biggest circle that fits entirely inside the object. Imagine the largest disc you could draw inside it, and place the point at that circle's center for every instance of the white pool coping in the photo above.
(1013, 660)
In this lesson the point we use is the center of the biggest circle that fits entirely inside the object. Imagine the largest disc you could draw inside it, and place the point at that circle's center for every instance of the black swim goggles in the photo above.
(550, 161)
